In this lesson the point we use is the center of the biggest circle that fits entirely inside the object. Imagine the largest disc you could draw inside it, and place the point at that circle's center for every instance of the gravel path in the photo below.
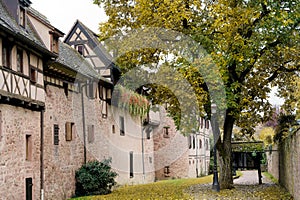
(250, 178)
(245, 188)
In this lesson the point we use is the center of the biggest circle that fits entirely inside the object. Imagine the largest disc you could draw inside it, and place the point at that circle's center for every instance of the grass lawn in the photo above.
(195, 188)
(168, 189)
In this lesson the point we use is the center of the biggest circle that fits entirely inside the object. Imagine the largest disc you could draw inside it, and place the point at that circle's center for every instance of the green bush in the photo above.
(95, 178)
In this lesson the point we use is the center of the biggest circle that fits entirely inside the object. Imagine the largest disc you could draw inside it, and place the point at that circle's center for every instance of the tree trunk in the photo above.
(224, 149)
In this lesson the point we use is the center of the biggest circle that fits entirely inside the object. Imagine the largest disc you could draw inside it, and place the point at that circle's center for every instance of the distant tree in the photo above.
(254, 43)
(266, 135)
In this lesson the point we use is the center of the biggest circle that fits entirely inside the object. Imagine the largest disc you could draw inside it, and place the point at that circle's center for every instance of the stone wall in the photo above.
(18, 125)
(284, 163)
(289, 164)
(105, 141)
(273, 161)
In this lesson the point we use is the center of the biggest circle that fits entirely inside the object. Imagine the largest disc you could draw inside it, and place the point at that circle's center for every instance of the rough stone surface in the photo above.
(14, 168)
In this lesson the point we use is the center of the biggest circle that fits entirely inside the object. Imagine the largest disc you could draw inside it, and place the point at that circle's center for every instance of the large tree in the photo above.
(253, 43)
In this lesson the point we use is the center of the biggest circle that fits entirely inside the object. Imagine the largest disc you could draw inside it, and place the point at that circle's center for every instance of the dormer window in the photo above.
(22, 16)
(54, 43)
(55, 34)
(80, 49)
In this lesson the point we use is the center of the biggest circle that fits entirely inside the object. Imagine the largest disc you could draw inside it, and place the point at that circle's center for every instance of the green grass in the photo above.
(271, 177)
(168, 189)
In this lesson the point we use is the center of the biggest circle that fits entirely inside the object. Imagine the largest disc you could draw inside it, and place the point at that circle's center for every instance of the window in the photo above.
(5, 55)
(166, 132)
(20, 60)
(113, 129)
(194, 142)
(56, 134)
(91, 90)
(104, 109)
(167, 171)
(200, 144)
(148, 133)
(131, 164)
(66, 88)
(22, 20)
(69, 131)
(54, 43)
(190, 141)
(91, 133)
(80, 49)
(28, 147)
(206, 124)
(33, 76)
(122, 126)
(201, 123)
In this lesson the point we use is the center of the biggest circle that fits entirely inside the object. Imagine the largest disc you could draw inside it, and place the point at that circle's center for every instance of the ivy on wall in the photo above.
(128, 100)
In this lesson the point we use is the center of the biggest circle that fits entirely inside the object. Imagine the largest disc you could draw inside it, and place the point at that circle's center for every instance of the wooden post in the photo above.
(258, 157)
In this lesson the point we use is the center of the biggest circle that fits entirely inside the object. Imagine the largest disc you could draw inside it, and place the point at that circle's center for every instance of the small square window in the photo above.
(33, 75)
(167, 171)
(80, 49)
(166, 132)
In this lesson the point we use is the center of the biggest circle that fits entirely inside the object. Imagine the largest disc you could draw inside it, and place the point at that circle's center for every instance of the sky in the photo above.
(62, 14)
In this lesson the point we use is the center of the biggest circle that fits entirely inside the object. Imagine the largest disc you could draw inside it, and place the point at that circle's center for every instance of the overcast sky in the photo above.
(62, 14)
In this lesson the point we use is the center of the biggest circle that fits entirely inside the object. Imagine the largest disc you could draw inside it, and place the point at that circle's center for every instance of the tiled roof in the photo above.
(29, 35)
(39, 15)
(71, 58)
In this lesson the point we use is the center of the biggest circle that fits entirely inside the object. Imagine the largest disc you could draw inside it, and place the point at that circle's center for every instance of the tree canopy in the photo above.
(253, 43)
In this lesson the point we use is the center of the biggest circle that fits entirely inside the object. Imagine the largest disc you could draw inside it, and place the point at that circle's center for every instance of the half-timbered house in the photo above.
(23, 56)
(56, 113)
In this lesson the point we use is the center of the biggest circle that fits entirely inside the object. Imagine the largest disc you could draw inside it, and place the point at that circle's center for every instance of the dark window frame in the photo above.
(20, 61)
(22, 16)
(166, 132)
(56, 134)
(6, 54)
(80, 49)
(131, 173)
(122, 125)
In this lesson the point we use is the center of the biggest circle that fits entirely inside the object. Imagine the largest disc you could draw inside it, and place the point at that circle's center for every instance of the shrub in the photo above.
(95, 178)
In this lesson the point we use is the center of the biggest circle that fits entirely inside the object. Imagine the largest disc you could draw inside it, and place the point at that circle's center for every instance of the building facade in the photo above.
(56, 113)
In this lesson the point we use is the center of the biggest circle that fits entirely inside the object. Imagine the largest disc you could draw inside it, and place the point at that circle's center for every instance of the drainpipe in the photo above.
(42, 154)
(143, 161)
(83, 123)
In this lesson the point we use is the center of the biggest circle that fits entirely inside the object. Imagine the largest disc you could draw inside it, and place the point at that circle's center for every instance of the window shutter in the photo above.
(69, 131)
(91, 134)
